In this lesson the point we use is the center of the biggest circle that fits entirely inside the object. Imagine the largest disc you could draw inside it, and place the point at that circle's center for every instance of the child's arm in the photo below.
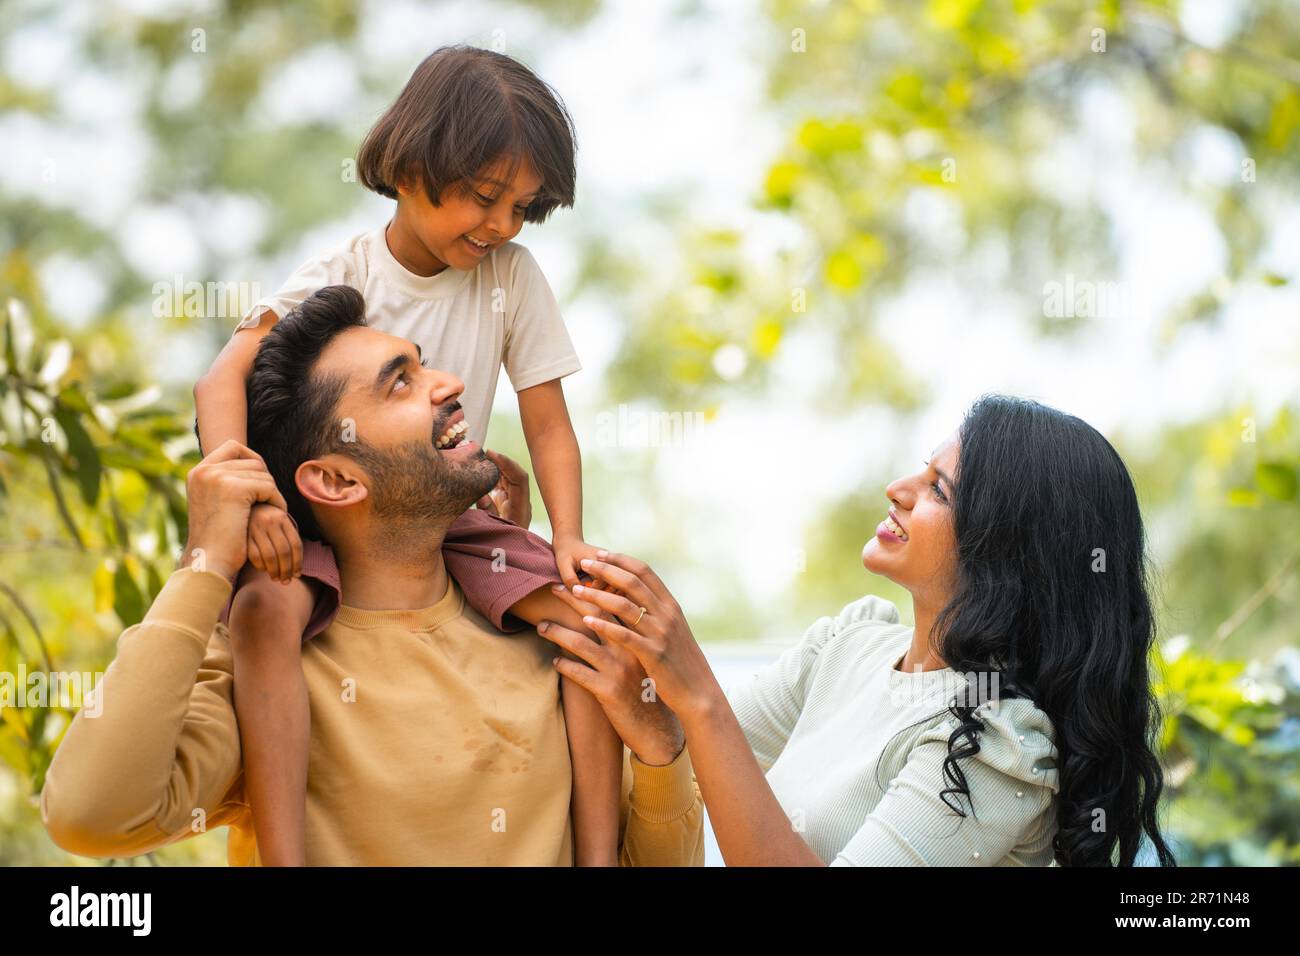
(221, 406)
(553, 448)
(219, 397)
(595, 749)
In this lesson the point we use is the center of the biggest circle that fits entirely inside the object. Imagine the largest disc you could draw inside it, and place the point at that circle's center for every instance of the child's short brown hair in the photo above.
(462, 109)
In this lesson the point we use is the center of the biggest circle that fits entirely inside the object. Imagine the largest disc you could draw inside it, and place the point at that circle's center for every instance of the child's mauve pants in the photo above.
(494, 561)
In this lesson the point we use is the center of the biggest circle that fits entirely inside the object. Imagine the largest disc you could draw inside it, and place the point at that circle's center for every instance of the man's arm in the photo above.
(160, 754)
(159, 761)
(665, 815)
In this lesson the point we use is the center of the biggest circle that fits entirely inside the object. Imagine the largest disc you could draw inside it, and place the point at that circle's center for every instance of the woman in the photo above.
(1011, 726)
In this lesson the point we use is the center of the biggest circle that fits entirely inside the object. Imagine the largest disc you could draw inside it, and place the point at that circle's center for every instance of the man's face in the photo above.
(405, 429)
(490, 209)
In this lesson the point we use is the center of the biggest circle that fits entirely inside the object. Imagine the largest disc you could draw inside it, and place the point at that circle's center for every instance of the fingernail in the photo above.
(557, 588)
(602, 554)
(586, 562)
(588, 619)
(555, 660)
(578, 589)
(542, 626)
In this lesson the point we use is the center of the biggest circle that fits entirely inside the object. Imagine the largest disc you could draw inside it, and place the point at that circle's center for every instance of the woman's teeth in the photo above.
(453, 435)
(892, 527)
(481, 245)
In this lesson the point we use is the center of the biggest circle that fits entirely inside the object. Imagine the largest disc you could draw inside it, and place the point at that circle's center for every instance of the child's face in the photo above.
(486, 209)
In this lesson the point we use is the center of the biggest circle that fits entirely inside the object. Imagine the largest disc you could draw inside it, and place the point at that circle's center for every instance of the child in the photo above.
(474, 146)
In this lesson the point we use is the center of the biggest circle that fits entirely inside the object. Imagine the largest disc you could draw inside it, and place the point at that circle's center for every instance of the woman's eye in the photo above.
(486, 200)
(426, 363)
(937, 491)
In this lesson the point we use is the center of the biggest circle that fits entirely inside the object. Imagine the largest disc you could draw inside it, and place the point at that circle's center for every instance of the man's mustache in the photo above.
(440, 425)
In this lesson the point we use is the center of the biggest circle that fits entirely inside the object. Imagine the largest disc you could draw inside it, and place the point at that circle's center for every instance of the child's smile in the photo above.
(471, 221)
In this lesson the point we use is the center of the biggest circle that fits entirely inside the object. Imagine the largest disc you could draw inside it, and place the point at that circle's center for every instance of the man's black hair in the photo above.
(291, 406)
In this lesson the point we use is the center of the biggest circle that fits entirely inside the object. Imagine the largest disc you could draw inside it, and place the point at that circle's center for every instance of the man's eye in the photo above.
(487, 200)
(427, 363)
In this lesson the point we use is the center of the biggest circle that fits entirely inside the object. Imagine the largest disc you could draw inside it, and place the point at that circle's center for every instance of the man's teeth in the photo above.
(481, 245)
(452, 435)
(892, 527)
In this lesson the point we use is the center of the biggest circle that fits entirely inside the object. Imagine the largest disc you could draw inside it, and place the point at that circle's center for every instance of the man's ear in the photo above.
(332, 482)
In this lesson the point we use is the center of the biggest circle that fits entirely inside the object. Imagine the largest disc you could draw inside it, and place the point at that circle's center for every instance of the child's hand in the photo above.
(509, 498)
(273, 542)
(569, 550)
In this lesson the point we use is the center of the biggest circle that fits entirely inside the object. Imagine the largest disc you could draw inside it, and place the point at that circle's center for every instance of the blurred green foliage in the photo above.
(881, 103)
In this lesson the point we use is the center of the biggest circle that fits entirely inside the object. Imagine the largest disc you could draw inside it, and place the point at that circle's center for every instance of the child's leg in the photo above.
(267, 620)
(595, 750)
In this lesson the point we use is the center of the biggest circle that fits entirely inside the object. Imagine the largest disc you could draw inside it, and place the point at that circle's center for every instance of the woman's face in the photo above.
(915, 545)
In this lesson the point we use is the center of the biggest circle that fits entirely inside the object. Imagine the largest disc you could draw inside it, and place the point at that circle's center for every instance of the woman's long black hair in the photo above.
(1052, 595)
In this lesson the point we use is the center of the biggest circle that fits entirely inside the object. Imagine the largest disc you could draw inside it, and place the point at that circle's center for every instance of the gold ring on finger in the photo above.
(639, 616)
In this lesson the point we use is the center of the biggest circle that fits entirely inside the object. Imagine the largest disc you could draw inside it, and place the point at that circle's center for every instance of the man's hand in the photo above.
(510, 499)
(273, 542)
(617, 680)
(222, 490)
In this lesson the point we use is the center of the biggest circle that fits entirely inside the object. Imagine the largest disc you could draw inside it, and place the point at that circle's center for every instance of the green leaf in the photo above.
(154, 580)
(1276, 479)
(128, 602)
(70, 397)
(85, 455)
(1243, 498)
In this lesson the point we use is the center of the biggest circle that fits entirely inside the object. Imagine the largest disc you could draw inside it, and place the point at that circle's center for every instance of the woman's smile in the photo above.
(891, 530)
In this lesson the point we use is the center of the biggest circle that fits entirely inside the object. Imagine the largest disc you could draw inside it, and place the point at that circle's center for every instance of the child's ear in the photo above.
(330, 482)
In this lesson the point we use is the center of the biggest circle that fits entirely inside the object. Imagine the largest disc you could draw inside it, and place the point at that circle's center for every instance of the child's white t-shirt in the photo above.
(501, 312)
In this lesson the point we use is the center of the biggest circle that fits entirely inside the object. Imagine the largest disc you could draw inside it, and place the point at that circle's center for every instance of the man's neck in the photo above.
(395, 574)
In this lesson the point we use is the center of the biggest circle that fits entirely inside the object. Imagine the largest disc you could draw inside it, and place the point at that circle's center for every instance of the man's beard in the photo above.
(414, 484)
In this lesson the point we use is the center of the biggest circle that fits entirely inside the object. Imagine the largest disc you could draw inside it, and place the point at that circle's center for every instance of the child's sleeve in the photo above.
(307, 278)
(537, 345)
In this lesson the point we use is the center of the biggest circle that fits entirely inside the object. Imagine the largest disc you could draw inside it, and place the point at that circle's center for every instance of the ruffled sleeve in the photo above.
(1012, 782)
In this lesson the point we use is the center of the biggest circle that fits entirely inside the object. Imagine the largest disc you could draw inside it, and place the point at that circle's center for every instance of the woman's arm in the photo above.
(748, 821)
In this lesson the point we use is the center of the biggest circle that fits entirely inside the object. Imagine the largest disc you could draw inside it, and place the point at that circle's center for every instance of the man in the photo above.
(436, 739)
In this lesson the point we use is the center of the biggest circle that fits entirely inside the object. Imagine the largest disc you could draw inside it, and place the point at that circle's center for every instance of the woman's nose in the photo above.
(898, 491)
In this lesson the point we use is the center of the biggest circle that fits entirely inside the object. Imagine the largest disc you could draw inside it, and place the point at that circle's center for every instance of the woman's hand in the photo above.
(650, 625)
(619, 683)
